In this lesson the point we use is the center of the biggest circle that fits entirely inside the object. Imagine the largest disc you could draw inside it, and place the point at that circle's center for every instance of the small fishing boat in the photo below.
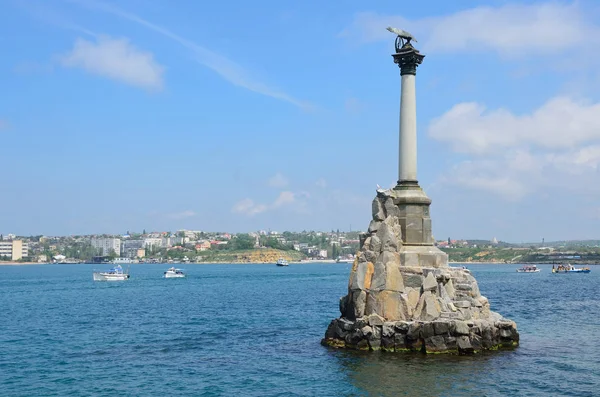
(174, 273)
(569, 269)
(282, 262)
(114, 274)
(528, 269)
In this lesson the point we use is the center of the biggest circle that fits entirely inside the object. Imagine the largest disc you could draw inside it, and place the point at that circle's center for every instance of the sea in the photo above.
(254, 330)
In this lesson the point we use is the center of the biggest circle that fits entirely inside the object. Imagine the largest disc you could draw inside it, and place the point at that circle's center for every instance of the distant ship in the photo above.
(528, 269)
(282, 262)
(114, 274)
(174, 273)
(569, 269)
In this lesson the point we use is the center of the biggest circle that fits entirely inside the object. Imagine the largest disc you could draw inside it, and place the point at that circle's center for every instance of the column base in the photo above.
(407, 184)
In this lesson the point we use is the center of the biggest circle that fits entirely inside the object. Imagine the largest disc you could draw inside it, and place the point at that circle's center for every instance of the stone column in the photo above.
(408, 58)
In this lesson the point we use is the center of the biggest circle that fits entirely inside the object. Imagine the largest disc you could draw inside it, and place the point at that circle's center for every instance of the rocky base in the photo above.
(403, 296)
(439, 336)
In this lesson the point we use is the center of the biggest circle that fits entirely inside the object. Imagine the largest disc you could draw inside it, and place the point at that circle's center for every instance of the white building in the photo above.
(155, 242)
(107, 245)
(13, 249)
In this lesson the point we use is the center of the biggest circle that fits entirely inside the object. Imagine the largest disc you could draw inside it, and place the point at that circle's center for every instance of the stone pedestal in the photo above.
(404, 297)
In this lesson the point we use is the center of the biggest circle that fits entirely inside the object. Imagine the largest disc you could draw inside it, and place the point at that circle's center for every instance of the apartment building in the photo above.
(107, 245)
(13, 249)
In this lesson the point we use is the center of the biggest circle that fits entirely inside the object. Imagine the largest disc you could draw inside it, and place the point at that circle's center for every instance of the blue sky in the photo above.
(242, 116)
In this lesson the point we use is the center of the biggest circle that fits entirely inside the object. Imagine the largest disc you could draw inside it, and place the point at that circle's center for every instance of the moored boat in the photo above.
(569, 269)
(114, 274)
(282, 262)
(174, 273)
(528, 269)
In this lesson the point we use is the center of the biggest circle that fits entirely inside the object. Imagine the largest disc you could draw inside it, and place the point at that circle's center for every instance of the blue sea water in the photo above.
(254, 330)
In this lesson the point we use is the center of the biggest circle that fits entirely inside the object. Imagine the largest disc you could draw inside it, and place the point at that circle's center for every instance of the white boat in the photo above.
(174, 273)
(282, 262)
(570, 269)
(528, 269)
(114, 274)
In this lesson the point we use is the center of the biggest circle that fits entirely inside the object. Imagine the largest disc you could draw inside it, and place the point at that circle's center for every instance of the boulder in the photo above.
(375, 244)
(388, 329)
(460, 328)
(377, 209)
(464, 345)
(435, 344)
(441, 327)
(374, 226)
(430, 283)
(366, 331)
(412, 280)
(387, 237)
(375, 319)
(359, 299)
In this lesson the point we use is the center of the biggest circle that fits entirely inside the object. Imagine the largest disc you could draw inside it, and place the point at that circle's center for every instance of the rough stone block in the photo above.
(390, 208)
(400, 342)
(377, 208)
(427, 330)
(359, 299)
(374, 226)
(414, 330)
(375, 244)
(430, 283)
(459, 328)
(402, 326)
(388, 329)
(435, 344)
(412, 280)
(464, 345)
(375, 319)
(441, 327)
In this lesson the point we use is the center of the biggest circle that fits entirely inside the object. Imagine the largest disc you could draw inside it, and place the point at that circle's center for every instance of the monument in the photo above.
(402, 295)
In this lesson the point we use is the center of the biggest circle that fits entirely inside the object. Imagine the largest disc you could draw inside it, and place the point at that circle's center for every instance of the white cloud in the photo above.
(285, 198)
(509, 29)
(223, 66)
(511, 155)
(248, 207)
(116, 59)
(560, 123)
(321, 182)
(278, 180)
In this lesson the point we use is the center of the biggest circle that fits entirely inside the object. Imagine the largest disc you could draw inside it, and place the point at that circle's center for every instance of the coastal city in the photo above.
(264, 246)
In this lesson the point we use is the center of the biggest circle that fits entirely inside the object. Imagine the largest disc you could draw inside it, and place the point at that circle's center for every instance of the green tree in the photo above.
(241, 242)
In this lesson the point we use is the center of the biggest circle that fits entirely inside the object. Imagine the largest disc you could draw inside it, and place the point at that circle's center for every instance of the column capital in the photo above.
(408, 58)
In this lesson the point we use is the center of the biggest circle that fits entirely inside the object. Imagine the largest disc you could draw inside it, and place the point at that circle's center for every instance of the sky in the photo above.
(267, 115)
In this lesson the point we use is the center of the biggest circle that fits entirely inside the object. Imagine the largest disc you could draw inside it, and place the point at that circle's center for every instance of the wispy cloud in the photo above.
(285, 198)
(3, 124)
(116, 59)
(278, 180)
(248, 207)
(509, 29)
(225, 67)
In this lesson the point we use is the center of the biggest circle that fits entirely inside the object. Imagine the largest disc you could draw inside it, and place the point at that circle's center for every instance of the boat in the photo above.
(114, 274)
(528, 269)
(282, 262)
(174, 273)
(568, 268)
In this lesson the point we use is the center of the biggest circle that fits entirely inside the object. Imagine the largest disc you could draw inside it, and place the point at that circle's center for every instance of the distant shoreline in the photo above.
(325, 261)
